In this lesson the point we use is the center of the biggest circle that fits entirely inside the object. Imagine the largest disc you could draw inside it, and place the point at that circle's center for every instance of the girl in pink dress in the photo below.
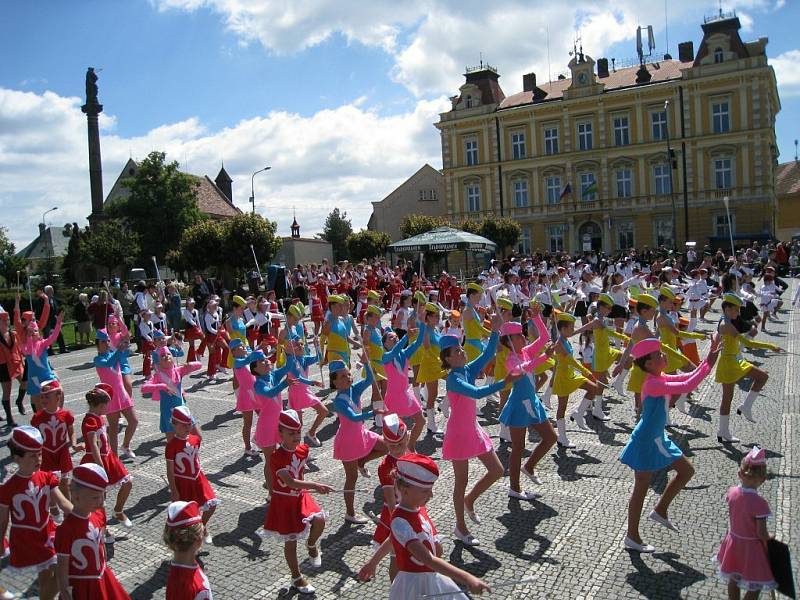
(399, 398)
(268, 386)
(742, 559)
(354, 444)
(300, 382)
(464, 438)
(108, 364)
(245, 391)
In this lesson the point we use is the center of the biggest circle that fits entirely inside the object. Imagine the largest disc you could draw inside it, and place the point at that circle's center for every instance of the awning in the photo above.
(443, 239)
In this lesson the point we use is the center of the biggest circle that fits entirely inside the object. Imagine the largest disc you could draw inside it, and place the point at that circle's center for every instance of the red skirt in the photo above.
(59, 462)
(382, 529)
(289, 517)
(32, 549)
(199, 490)
(105, 588)
(116, 471)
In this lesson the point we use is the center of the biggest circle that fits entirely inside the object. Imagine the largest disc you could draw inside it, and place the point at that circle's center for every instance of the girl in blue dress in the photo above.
(523, 408)
(649, 449)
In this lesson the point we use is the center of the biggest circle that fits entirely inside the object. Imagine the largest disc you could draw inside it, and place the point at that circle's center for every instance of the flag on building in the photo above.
(590, 189)
(566, 191)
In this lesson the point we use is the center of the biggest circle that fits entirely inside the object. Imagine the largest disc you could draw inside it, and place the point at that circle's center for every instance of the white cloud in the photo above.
(342, 157)
(787, 73)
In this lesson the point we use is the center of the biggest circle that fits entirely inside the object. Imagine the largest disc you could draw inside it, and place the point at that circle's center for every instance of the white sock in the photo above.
(548, 391)
(423, 393)
(692, 324)
(378, 418)
(680, 403)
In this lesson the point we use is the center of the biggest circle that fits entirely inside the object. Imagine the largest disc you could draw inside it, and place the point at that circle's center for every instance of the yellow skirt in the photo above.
(430, 369)
(731, 369)
(636, 380)
(545, 366)
(566, 383)
(604, 360)
(675, 361)
(473, 351)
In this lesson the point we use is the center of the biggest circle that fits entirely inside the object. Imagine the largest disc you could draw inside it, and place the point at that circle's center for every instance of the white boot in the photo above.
(619, 382)
(746, 408)
(563, 440)
(492, 397)
(423, 394)
(670, 421)
(445, 406)
(415, 390)
(597, 410)
(505, 434)
(578, 415)
(378, 418)
(692, 324)
(680, 404)
(432, 427)
(724, 431)
(548, 391)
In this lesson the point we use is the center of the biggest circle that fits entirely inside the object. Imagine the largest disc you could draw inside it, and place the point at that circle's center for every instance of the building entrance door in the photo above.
(590, 237)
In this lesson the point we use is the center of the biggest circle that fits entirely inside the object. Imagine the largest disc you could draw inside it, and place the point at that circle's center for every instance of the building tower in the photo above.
(295, 227)
(225, 183)
(92, 110)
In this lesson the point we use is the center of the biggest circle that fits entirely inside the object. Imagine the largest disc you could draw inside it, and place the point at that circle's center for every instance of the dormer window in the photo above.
(469, 101)
(719, 56)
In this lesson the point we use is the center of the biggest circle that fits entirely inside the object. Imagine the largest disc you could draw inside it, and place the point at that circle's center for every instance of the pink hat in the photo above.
(106, 389)
(757, 456)
(163, 351)
(645, 347)
(51, 385)
(183, 514)
(511, 328)
(290, 420)
(181, 414)
(27, 438)
(90, 475)
(394, 430)
(418, 470)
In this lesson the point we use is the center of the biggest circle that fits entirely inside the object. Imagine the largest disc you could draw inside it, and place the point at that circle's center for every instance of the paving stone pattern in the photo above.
(570, 540)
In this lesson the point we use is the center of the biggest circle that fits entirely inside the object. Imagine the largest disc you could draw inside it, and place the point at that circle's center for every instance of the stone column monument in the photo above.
(92, 110)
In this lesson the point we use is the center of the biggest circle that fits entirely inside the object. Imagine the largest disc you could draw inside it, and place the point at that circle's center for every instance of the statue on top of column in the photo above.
(91, 86)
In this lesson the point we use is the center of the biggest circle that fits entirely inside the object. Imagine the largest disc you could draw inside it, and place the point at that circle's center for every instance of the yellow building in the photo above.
(787, 189)
(583, 162)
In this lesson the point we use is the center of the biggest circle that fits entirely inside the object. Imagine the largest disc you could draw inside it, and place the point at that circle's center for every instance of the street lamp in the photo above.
(726, 202)
(47, 245)
(252, 188)
(672, 165)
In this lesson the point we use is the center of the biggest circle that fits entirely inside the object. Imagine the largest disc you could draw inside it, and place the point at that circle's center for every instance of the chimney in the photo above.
(686, 51)
(602, 67)
(529, 82)
(41, 228)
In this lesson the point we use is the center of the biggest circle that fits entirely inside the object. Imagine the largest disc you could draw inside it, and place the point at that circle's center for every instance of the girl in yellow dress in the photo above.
(505, 308)
(430, 369)
(373, 346)
(418, 302)
(669, 333)
(540, 371)
(570, 375)
(604, 355)
(732, 367)
(474, 330)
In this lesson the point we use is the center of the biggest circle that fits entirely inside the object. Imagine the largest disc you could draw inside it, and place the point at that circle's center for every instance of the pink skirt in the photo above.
(399, 398)
(744, 561)
(300, 397)
(353, 440)
(267, 435)
(464, 438)
(245, 400)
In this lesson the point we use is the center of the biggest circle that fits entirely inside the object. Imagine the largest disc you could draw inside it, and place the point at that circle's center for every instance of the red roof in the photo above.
(787, 179)
(211, 200)
(619, 79)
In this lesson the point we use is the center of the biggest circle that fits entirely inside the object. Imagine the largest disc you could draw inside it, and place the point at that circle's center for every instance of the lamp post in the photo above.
(726, 201)
(252, 188)
(671, 165)
(47, 245)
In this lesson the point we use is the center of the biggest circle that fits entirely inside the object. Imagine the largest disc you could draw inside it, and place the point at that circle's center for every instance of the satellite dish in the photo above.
(651, 40)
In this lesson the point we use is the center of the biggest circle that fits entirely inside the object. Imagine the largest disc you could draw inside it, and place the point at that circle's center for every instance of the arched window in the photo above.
(469, 101)
(719, 56)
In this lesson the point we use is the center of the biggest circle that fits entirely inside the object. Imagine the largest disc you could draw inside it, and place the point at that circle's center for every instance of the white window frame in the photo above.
(553, 189)
(518, 148)
(473, 197)
(720, 224)
(627, 229)
(524, 242)
(551, 140)
(723, 169)
(585, 135)
(557, 237)
(622, 130)
(658, 125)
(587, 178)
(624, 180)
(520, 188)
(662, 180)
(662, 227)
(471, 156)
(721, 115)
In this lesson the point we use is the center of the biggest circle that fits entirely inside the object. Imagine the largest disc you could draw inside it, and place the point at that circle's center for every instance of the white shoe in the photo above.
(6, 594)
(745, 412)
(597, 412)
(472, 516)
(313, 441)
(466, 538)
(252, 452)
(531, 475)
(680, 405)
(208, 540)
(303, 589)
(356, 519)
(654, 516)
(314, 561)
(579, 421)
(109, 538)
(127, 453)
(123, 520)
(643, 548)
(364, 471)
(523, 495)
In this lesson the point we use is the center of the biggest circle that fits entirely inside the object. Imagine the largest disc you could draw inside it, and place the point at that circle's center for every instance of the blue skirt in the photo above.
(649, 448)
(522, 413)
(167, 403)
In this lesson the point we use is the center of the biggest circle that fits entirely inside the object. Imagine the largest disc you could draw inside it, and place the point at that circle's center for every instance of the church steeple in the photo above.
(225, 183)
(295, 227)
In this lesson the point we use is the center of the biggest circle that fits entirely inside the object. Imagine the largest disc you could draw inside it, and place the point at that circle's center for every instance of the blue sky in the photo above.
(339, 96)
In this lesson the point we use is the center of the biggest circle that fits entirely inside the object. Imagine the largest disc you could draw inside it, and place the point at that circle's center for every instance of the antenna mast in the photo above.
(666, 28)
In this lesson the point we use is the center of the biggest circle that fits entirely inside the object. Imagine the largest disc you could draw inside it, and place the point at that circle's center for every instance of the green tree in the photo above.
(337, 228)
(502, 231)
(160, 207)
(109, 244)
(368, 244)
(414, 224)
(244, 230)
(201, 245)
(9, 262)
(74, 258)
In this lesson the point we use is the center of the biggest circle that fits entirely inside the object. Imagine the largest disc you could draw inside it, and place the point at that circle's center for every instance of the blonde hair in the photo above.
(180, 539)
(748, 469)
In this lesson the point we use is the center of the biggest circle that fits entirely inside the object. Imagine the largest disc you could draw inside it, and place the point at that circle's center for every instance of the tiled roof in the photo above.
(787, 179)
(211, 200)
(39, 248)
(621, 78)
